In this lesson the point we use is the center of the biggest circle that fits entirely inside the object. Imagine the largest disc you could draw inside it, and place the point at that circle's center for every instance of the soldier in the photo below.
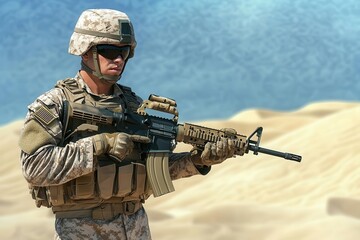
(95, 182)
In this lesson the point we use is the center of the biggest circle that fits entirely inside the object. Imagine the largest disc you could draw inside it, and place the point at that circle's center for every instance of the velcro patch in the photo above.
(44, 115)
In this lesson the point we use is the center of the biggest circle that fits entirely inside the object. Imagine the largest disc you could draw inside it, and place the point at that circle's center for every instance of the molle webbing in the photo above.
(72, 90)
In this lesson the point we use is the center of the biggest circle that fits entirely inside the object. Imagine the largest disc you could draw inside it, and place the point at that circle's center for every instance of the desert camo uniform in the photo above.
(92, 196)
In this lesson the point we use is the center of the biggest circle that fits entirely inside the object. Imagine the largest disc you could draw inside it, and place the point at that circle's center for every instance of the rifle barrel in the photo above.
(288, 156)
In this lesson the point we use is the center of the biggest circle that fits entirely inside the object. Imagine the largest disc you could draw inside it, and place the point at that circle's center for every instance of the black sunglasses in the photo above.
(112, 52)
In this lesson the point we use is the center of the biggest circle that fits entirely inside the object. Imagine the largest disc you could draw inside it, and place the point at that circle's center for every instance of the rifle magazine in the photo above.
(157, 167)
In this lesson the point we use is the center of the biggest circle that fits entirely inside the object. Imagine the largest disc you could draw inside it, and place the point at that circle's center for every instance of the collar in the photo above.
(116, 93)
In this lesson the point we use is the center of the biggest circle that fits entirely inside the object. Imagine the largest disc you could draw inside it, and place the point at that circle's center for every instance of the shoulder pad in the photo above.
(47, 111)
(33, 136)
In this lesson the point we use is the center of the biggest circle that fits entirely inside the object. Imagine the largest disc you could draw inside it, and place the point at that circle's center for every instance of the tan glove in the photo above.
(117, 145)
(215, 153)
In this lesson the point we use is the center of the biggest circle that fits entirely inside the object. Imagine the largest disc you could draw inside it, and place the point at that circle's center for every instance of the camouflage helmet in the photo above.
(102, 26)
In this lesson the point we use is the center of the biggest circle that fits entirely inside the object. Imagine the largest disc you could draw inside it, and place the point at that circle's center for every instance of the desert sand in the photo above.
(249, 197)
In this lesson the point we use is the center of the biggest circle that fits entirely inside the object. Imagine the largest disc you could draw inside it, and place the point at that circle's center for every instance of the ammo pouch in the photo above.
(103, 194)
(110, 181)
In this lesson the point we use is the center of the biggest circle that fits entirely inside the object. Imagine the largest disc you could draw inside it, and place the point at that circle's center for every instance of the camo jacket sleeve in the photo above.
(44, 161)
(181, 166)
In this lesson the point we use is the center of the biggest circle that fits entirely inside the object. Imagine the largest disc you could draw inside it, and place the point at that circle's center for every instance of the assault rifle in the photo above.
(164, 134)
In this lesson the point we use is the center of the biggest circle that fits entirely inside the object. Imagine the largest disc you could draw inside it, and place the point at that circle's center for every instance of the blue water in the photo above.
(215, 58)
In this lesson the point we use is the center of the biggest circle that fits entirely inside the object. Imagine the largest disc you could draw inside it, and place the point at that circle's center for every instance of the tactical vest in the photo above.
(112, 184)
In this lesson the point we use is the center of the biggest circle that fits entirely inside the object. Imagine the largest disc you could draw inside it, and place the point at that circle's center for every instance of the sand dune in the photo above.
(249, 197)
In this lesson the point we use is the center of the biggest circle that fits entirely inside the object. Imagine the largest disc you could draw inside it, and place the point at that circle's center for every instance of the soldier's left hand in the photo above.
(215, 153)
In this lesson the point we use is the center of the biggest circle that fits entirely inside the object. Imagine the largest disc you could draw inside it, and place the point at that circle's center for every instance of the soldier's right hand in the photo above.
(117, 145)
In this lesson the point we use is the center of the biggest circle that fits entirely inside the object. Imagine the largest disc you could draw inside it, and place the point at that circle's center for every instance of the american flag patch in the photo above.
(44, 115)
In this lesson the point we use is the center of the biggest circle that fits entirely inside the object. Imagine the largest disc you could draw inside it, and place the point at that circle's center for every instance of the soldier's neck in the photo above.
(97, 85)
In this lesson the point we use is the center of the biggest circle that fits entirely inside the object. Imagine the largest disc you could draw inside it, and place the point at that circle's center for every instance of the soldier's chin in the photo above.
(110, 79)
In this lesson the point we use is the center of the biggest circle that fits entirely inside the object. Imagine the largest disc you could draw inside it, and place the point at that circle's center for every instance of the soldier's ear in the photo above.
(85, 56)
(88, 55)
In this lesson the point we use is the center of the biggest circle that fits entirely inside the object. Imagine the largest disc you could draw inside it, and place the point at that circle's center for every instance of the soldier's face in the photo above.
(111, 67)
(109, 64)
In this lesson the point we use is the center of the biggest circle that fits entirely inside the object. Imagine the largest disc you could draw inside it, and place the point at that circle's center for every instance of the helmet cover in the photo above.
(102, 26)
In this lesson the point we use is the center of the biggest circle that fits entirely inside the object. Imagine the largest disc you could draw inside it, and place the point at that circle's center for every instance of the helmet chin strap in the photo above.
(97, 73)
